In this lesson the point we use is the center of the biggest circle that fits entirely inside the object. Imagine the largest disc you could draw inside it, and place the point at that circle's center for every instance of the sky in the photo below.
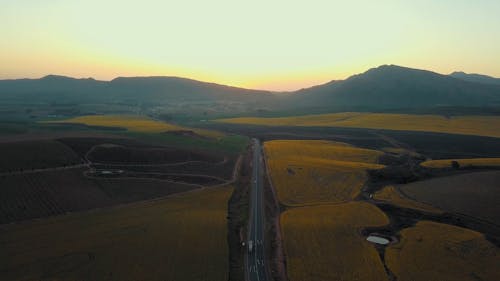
(262, 44)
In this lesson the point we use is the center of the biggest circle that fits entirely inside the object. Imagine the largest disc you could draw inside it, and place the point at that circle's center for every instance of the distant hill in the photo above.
(154, 90)
(391, 86)
(473, 77)
(164, 97)
(51, 88)
(383, 89)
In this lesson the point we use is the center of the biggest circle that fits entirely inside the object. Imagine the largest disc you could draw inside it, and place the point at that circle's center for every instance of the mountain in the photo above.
(385, 88)
(391, 87)
(51, 88)
(473, 77)
(183, 89)
(129, 90)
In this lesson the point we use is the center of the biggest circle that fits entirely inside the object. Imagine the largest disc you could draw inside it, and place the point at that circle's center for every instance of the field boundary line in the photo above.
(282, 271)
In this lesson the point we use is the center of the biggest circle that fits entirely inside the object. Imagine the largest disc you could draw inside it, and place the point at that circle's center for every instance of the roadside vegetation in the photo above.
(468, 125)
(435, 252)
(183, 237)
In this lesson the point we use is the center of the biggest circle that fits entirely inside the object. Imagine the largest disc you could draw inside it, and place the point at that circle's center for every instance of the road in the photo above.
(256, 269)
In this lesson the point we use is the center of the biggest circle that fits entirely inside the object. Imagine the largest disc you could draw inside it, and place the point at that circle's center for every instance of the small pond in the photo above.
(378, 240)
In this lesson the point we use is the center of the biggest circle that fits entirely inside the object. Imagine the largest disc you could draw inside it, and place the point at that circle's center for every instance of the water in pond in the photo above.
(378, 240)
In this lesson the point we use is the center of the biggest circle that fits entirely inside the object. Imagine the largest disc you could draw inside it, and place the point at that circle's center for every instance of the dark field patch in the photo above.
(178, 178)
(145, 172)
(82, 145)
(45, 194)
(431, 145)
(37, 154)
(131, 190)
(472, 194)
(50, 193)
(223, 169)
(445, 146)
(143, 155)
(365, 138)
(132, 151)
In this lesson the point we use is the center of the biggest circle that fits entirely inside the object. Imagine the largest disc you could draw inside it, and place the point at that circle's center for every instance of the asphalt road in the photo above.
(256, 269)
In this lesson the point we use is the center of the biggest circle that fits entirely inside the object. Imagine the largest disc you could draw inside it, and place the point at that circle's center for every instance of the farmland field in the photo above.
(311, 172)
(432, 145)
(116, 170)
(222, 170)
(323, 227)
(435, 252)
(390, 194)
(468, 125)
(474, 194)
(134, 124)
(464, 163)
(112, 153)
(36, 154)
(182, 237)
(42, 194)
(323, 242)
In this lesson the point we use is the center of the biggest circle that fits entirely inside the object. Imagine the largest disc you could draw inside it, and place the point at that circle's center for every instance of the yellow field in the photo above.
(311, 172)
(436, 252)
(472, 162)
(323, 242)
(179, 238)
(134, 124)
(391, 195)
(468, 125)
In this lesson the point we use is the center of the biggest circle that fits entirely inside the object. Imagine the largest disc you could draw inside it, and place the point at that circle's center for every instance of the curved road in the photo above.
(256, 269)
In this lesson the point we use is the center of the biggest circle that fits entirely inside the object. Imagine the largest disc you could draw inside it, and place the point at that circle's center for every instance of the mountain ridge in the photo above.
(391, 86)
(474, 77)
(385, 87)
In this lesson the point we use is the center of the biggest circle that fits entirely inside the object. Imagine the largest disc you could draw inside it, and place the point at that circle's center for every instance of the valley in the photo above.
(224, 183)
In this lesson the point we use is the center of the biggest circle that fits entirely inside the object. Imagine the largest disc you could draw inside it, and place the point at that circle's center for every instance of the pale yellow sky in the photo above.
(276, 45)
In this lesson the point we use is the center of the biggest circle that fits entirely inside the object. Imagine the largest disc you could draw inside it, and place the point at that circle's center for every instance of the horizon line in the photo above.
(230, 85)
